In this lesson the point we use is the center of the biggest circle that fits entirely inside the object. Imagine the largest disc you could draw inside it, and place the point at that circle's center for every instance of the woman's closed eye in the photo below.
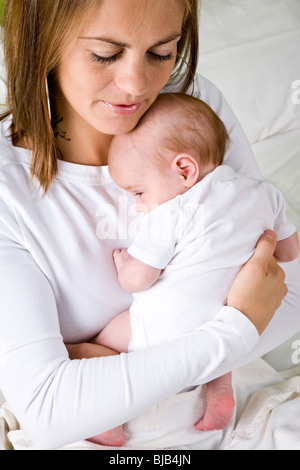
(111, 59)
(161, 58)
(104, 60)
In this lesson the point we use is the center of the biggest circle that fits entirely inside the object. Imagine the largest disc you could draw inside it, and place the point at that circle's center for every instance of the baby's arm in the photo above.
(134, 275)
(287, 249)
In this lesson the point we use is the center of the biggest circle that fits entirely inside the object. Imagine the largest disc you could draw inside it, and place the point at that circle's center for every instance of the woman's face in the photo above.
(114, 71)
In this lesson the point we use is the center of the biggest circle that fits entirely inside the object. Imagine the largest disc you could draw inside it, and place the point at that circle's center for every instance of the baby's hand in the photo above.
(120, 258)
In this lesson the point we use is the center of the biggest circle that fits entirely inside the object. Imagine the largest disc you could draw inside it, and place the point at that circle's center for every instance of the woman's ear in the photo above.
(187, 167)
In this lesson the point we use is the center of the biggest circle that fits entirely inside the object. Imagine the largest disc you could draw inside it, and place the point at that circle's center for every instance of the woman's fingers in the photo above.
(264, 253)
(260, 287)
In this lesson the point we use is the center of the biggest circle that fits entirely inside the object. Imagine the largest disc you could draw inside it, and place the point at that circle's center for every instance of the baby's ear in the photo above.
(187, 167)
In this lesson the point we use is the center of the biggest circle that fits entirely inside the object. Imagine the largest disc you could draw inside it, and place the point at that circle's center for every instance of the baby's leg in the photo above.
(220, 405)
(116, 335)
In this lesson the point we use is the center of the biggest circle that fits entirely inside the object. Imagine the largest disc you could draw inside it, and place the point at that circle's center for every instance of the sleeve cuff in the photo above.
(148, 258)
(247, 331)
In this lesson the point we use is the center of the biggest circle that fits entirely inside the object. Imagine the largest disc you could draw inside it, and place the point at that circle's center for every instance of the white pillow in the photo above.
(250, 49)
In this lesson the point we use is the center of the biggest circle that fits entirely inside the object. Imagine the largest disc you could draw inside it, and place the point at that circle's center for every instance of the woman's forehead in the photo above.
(129, 18)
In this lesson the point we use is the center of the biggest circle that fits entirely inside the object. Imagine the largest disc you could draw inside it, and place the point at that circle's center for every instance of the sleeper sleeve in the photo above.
(283, 226)
(155, 242)
(58, 401)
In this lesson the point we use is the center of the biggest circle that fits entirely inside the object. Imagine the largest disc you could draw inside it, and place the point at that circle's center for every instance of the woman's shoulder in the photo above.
(11, 156)
(201, 88)
(14, 165)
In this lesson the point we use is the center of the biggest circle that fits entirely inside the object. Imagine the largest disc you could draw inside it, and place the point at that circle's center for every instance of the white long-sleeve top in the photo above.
(58, 284)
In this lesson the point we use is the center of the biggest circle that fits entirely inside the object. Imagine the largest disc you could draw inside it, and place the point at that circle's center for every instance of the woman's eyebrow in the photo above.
(167, 40)
(122, 44)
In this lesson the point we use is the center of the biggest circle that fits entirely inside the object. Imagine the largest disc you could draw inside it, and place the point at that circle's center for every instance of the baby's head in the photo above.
(174, 146)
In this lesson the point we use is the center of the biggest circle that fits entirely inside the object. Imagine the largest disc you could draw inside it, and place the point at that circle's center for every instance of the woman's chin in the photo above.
(120, 129)
(114, 124)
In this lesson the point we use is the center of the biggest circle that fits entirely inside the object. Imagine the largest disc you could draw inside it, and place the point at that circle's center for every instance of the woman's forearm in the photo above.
(59, 401)
(64, 400)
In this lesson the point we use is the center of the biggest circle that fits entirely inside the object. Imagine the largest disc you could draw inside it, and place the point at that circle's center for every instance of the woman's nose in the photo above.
(132, 79)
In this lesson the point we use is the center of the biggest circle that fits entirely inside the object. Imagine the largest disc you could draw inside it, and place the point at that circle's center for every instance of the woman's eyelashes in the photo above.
(161, 58)
(104, 60)
(109, 60)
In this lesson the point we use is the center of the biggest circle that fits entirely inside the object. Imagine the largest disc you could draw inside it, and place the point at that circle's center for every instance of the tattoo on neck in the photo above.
(61, 157)
(58, 132)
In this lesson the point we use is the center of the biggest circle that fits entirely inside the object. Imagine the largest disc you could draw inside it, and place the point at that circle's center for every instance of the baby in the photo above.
(201, 224)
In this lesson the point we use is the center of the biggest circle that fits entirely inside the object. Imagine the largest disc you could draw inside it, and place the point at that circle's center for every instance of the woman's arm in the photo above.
(257, 292)
(58, 401)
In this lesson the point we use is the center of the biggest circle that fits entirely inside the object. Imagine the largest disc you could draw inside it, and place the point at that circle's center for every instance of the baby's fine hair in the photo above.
(186, 125)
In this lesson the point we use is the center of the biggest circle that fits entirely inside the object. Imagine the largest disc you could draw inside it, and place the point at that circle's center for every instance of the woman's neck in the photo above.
(77, 140)
(83, 145)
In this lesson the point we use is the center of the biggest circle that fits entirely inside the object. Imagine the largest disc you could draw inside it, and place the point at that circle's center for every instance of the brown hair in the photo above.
(184, 124)
(34, 32)
(188, 47)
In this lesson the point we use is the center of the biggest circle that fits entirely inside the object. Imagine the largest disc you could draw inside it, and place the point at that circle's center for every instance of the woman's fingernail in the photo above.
(270, 234)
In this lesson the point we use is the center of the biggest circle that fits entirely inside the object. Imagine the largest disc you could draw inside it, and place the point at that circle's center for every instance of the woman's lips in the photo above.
(122, 109)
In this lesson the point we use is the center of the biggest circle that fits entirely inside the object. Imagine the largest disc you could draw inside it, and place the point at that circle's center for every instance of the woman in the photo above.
(104, 62)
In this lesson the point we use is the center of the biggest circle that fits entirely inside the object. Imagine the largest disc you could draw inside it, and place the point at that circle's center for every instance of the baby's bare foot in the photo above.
(113, 438)
(220, 407)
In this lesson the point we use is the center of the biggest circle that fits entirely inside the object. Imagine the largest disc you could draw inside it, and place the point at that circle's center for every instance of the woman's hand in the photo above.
(260, 287)
(88, 351)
